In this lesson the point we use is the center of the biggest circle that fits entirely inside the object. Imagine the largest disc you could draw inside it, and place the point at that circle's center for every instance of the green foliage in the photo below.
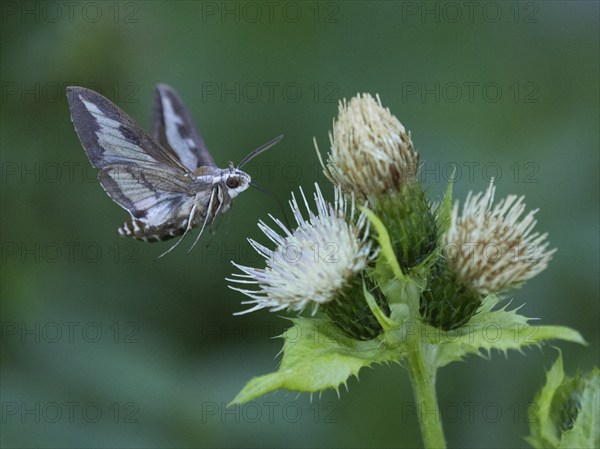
(491, 328)
(567, 410)
(317, 355)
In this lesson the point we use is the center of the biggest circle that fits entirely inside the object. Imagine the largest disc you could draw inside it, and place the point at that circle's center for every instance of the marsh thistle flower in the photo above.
(372, 157)
(319, 263)
(487, 249)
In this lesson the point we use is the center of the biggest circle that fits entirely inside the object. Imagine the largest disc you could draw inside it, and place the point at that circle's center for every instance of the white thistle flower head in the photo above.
(311, 264)
(371, 152)
(494, 249)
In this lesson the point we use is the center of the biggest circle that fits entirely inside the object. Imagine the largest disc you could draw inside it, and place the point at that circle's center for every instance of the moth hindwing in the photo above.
(169, 183)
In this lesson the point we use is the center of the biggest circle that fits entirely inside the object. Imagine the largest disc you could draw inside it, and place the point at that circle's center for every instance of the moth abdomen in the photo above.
(138, 230)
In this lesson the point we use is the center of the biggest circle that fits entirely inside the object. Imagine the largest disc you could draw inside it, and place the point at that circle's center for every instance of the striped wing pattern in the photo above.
(174, 129)
(147, 180)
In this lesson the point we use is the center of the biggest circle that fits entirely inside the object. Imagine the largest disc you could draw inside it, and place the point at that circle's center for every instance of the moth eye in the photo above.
(232, 183)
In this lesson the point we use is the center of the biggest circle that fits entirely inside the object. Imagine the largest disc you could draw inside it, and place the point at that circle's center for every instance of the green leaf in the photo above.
(489, 329)
(542, 427)
(384, 321)
(443, 215)
(586, 430)
(566, 412)
(398, 287)
(386, 250)
(317, 356)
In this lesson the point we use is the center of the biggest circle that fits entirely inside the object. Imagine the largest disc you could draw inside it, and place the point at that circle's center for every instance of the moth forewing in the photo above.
(111, 137)
(174, 129)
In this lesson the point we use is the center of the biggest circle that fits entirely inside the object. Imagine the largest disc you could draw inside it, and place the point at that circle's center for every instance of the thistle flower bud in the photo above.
(372, 157)
(494, 249)
(371, 153)
(487, 249)
(320, 263)
(567, 410)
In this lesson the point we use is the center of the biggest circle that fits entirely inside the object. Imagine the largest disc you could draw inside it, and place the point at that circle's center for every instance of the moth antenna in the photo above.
(262, 189)
(264, 147)
(210, 204)
(187, 228)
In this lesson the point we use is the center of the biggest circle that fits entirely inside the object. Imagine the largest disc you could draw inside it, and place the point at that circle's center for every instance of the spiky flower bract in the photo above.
(487, 249)
(319, 263)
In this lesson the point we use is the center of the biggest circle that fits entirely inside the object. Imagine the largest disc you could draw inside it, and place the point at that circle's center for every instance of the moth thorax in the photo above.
(236, 181)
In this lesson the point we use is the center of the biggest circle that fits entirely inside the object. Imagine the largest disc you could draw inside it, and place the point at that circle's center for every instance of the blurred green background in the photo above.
(103, 346)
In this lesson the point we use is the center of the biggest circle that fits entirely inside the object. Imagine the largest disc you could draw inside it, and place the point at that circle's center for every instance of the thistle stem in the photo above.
(422, 379)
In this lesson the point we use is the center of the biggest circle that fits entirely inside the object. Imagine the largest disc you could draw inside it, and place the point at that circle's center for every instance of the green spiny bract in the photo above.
(566, 403)
(351, 313)
(446, 303)
(410, 223)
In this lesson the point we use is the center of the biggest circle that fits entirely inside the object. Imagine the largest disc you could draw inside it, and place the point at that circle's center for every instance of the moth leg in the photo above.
(214, 224)
(187, 228)
(228, 221)
(208, 210)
